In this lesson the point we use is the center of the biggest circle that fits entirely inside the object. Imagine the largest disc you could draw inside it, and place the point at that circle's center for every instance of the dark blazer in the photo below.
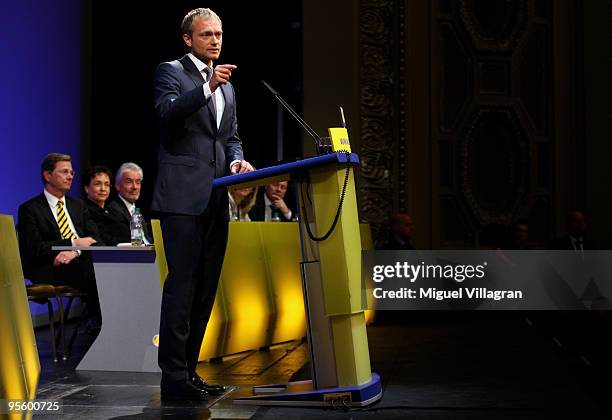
(565, 242)
(394, 244)
(122, 214)
(192, 151)
(112, 223)
(258, 212)
(38, 232)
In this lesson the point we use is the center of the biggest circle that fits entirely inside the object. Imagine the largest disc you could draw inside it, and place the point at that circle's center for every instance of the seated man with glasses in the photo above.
(54, 219)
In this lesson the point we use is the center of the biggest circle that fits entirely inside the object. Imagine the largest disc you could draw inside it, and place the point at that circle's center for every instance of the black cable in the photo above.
(333, 226)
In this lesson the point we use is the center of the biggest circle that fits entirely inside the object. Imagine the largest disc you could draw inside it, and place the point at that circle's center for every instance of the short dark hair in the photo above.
(49, 162)
(95, 170)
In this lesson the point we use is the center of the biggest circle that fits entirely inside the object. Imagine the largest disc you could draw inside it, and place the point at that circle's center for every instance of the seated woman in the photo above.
(241, 201)
(97, 186)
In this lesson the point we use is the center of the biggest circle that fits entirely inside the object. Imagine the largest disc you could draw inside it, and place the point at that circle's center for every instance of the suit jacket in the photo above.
(38, 232)
(565, 242)
(258, 212)
(192, 151)
(121, 213)
(113, 224)
(394, 244)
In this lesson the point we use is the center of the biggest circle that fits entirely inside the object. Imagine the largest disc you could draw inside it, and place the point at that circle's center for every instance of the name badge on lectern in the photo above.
(339, 139)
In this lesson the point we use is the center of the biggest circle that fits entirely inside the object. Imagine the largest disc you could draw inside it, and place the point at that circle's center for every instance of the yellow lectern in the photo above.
(334, 296)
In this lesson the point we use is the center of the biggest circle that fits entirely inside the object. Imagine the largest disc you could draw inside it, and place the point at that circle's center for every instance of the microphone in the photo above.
(322, 148)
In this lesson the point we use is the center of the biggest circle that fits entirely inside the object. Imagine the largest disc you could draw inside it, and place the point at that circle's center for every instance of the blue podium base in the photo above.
(302, 394)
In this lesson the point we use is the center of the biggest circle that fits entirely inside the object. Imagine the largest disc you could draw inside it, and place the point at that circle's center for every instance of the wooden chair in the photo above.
(71, 293)
(46, 294)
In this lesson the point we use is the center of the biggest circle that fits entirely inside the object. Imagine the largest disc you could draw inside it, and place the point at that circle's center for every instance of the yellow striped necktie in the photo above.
(62, 222)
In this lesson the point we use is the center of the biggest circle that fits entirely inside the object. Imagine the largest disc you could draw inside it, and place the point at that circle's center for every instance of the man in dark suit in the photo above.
(128, 183)
(271, 205)
(575, 238)
(401, 233)
(196, 112)
(520, 236)
(54, 219)
(108, 215)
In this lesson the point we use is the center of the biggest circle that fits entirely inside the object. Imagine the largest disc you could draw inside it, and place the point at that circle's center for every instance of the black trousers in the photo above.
(195, 248)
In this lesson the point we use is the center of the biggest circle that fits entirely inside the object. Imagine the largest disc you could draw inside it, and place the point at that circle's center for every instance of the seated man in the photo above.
(128, 182)
(54, 219)
(107, 215)
(576, 232)
(271, 205)
(401, 233)
(520, 236)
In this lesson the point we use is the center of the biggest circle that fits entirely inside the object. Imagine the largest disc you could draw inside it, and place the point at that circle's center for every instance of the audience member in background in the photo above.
(400, 233)
(241, 201)
(271, 205)
(107, 215)
(54, 219)
(575, 238)
(128, 182)
(520, 236)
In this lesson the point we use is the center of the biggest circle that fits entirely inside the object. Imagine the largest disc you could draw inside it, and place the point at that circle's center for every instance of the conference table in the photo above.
(130, 297)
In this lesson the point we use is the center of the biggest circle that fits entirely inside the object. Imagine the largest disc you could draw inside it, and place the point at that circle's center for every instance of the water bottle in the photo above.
(275, 216)
(136, 228)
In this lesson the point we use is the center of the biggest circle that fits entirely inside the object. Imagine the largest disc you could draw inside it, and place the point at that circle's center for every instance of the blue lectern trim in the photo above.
(361, 395)
(114, 254)
(285, 168)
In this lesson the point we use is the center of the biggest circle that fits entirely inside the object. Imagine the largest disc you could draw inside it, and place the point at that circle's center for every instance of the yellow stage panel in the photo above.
(19, 363)
(259, 301)
(245, 290)
(280, 242)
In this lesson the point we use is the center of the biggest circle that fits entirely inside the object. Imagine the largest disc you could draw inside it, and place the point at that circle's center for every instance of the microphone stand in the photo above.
(322, 148)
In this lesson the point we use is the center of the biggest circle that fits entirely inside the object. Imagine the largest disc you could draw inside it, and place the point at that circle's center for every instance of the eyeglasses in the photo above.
(66, 172)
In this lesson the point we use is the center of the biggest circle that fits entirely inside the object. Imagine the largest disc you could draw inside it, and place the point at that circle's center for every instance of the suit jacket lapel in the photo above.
(124, 211)
(192, 70)
(47, 215)
(197, 78)
(120, 211)
(229, 103)
(75, 216)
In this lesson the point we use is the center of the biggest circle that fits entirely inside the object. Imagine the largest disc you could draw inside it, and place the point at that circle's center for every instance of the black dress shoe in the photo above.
(201, 384)
(183, 391)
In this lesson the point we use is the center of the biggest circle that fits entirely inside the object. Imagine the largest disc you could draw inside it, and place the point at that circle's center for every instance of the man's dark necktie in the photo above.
(213, 99)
